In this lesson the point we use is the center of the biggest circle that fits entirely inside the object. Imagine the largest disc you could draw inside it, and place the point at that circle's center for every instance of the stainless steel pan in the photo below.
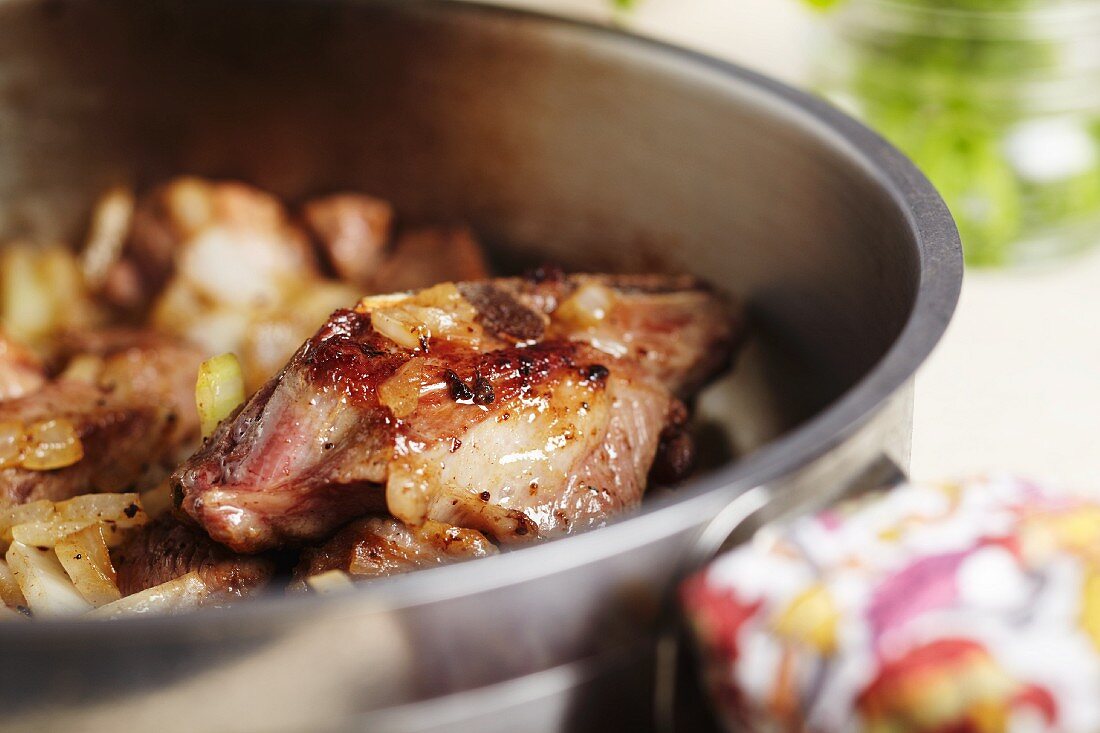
(556, 141)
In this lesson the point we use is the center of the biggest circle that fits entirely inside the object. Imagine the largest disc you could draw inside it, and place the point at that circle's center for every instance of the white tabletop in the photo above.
(1015, 385)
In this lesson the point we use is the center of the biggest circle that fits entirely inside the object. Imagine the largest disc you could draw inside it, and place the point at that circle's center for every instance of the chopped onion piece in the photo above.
(443, 295)
(190, 203)
(85, 557)
(216, 329)
(182, 594)
(438, 312)
(109, 228)
(25, 300)
(371, 303)
(49, 532)
(331, 581)
(13, 441)
(218, 391)
(44, 583)
(10, 595)
(113, 534)
(587, 306)
(60, 275)
(85, 368)
(52, 444)
(114, 511)
(239, 268)
(177, 308)
(36, 511)
(399, 326)
(314, 303)
(42, 290)
(401, 392)
(123, 510)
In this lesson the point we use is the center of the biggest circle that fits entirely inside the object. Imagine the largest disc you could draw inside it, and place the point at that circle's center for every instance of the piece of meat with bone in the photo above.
(114, 419)
(523, 409)
(352, 231)
(166, 549)
(223, 240)
(374, 547)
(425, 256)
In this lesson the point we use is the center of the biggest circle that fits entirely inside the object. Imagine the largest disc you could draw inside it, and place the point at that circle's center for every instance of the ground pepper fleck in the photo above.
(459, 389)
(483, 392)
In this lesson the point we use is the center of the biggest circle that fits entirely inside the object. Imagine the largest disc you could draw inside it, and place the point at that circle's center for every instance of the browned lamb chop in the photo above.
(373, 547)
(166, 549)
(125, 400)
(521, 408)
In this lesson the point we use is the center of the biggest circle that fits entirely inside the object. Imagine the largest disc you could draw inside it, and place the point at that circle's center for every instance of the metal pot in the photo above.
(556, 141)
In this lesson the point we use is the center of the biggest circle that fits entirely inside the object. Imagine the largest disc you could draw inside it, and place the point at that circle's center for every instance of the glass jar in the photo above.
(998, 101)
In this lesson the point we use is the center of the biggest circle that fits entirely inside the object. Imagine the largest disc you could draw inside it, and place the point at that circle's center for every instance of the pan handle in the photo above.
(732, 526)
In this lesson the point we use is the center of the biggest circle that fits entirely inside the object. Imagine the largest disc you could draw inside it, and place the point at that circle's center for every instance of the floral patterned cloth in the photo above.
(956, 608)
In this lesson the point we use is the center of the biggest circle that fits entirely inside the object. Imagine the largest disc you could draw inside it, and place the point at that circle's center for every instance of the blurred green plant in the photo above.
(953, 95)
(956, 102)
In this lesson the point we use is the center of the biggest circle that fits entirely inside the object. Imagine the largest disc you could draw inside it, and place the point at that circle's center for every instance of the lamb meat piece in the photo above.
(675, 459)
(352, 231)
(199, 228)
(373, 547)
(427, 256)
(522, 409)
(106, 342)
(130, 396)
(166, 549)
(141, 366)
(120, 442)
(21, 372)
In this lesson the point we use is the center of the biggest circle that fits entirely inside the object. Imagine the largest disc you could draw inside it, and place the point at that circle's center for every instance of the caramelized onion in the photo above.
(588, 305)
(86, 559)
(10, 594)
(331, 581)
(13, 441)
(438, 312)
(42, 291)
(43, 581)
(84, 368)
(192, 204)
(401, 392)
(399, 326)
(52, 444)
(218, 390)
(110, 227)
